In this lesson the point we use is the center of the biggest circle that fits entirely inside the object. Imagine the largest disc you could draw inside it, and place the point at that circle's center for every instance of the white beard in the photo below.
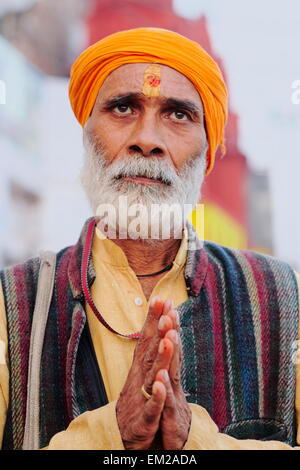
(109, 193)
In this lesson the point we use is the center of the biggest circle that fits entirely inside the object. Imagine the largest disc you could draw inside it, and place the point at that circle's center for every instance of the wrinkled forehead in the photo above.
(152, 79)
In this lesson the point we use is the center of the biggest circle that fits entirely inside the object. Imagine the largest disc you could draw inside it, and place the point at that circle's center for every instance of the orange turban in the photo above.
(159, 46)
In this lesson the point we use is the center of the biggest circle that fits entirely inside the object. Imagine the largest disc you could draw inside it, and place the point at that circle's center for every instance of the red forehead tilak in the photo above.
(151, 86)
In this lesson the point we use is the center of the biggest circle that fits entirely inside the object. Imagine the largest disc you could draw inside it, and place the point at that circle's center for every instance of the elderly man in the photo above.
(141, 341)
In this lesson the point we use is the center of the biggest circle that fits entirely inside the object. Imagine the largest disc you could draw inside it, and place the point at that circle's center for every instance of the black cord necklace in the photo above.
(84, 280)
(167, 268)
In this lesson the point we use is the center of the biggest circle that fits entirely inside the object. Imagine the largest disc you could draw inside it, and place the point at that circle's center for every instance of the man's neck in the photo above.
(146, 258)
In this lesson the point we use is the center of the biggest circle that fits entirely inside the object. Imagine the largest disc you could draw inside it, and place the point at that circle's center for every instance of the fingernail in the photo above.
(165, 375)
(161, 323)
(161, 346)
(176, 316)
(173, 336)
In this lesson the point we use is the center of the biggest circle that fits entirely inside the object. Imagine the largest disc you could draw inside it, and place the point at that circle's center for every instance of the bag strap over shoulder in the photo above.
(40, 315)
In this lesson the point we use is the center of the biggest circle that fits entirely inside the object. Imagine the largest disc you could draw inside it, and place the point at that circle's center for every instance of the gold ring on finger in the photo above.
(146, 394)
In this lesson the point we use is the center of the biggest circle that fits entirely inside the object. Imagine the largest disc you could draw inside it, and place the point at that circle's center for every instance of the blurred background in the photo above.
(252, 196)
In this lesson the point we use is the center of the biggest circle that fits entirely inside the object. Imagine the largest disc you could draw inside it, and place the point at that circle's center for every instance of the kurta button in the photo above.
(138, 301)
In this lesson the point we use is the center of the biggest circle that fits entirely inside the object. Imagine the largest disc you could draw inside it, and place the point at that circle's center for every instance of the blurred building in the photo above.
(40, 157)
(19, 151)
(259, 204)
(49, 33)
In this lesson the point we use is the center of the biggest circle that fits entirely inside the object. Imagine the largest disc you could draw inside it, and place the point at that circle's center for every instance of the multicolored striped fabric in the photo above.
(241, 324)
(70, 379)
(238, 329)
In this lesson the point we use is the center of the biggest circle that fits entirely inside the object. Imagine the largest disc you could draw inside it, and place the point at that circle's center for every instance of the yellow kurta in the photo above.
(125, 310)
(117, 292)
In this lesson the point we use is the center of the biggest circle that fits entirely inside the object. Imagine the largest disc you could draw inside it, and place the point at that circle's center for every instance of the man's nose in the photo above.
(146, 138)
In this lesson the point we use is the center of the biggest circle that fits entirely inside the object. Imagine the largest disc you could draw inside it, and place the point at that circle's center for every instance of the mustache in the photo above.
(138, 166)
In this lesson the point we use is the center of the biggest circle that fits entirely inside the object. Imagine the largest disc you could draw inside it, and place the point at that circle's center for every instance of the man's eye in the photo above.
(122, 109)
(180, 116)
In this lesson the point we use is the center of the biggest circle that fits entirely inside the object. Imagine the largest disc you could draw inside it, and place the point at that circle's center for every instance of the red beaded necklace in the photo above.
(84, 282)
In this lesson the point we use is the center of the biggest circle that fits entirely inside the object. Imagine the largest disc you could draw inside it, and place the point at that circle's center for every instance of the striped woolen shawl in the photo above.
(238, 331)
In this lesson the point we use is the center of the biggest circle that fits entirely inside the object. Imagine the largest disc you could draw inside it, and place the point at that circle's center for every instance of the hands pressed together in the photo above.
(163, 420)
